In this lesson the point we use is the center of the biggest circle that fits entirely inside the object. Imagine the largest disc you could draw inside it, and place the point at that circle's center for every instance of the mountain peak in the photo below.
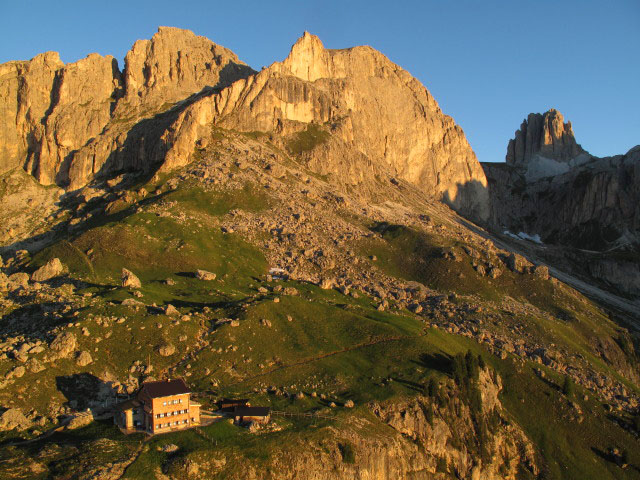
(308, 58)
(546, 135)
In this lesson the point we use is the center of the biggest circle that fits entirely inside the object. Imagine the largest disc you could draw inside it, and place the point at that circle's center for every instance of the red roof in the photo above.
(165, 388)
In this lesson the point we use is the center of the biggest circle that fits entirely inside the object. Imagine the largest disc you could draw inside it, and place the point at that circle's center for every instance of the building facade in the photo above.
(159, 407)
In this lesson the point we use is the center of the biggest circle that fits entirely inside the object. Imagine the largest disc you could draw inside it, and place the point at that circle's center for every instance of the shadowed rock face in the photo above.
(87, 119)
(593, 200)
(551, 187)
(592, 206)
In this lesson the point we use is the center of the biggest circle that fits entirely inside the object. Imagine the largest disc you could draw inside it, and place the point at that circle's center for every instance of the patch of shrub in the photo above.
(568, 387)
(308, 139)
(346, 450)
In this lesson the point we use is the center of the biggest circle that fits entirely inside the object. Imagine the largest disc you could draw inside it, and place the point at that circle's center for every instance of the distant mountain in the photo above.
(551, 187)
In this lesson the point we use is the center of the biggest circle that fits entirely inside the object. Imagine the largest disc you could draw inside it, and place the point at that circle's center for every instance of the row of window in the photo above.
(171, 424)
(172, 402)
(169, 414)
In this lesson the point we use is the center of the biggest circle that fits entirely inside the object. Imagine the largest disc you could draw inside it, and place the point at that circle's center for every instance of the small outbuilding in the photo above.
(243, 415)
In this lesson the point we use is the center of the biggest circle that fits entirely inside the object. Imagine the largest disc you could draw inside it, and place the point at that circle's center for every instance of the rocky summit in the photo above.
(314, 258)
(551, 188)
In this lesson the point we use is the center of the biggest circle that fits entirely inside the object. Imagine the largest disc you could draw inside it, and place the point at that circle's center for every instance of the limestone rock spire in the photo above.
(546, 135)
(308, 59)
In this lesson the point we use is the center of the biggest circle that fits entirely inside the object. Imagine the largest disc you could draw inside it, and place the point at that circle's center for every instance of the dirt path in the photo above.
(326, 355)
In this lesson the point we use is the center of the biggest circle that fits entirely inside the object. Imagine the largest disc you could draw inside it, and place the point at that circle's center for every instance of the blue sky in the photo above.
(488, 63)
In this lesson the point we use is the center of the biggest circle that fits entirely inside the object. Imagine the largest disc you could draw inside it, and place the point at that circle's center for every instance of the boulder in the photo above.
(83, 359)
(63, 344)
(80, 421)
(49, 270)
(18, 280)
(13, 418)
(129, 280)
(541, 271)
(170, 310)
(517, 263)
(132, 302)
(495, 272)
(204, 275)
(166, 350)
(35, 365)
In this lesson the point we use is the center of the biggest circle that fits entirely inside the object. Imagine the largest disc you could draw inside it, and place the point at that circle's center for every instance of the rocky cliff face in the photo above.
(417, 438)
(173, 65)
(377, 122)
(53, 115)
(551, 187)
(593, 201)
(546, 135)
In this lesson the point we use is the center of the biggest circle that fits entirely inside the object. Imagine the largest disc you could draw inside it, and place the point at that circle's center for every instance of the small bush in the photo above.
(432, 387)
(308, 139)
(568, 387)
(346, 450)
(429, 414)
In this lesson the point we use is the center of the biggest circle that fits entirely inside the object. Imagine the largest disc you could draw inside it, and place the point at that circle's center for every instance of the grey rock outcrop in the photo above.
(51, 269)
(130, 280)
(543, 134)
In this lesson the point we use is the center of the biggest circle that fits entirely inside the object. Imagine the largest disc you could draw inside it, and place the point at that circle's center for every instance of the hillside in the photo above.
(345, 286)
